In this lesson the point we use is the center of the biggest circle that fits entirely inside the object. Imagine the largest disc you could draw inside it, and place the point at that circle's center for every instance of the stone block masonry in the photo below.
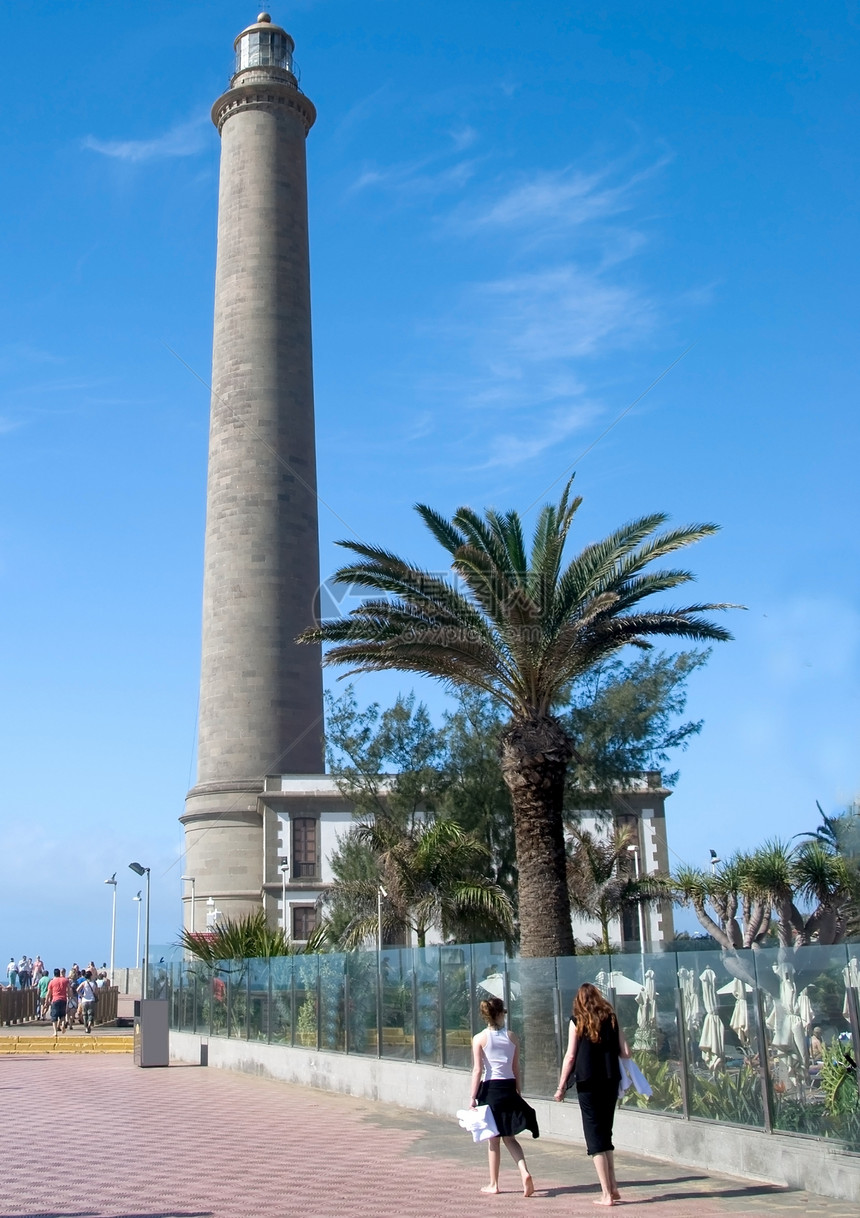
(261, 709)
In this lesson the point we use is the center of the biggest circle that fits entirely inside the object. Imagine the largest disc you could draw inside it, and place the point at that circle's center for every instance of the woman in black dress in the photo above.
(496, 1082)
(595, 1042)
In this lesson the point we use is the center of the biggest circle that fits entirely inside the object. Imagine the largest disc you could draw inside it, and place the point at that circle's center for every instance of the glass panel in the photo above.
(456, 1007)
(720, 1039)
(532, 1000)
(572, 971)
(650, 1019)
(202, 991)
(396, 973)
(173, 993)
(282, 1000)
(258, 1000)
(158, 978)
(808, 1031)
(361, 980)
(186, 997)
(306, 978)
(488, 967)
(219, 1002)
(332, 1022)
(428, 1029)
(236, 976)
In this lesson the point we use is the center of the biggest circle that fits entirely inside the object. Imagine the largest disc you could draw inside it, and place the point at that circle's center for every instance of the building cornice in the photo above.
(273, 96)
(247, 786)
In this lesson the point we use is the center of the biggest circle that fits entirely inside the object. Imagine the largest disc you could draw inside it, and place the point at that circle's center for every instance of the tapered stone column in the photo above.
(260, 692)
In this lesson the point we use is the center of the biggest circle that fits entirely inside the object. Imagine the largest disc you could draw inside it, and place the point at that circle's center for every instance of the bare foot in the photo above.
(528, 1185)
(605, 1201)
(615, 1195)
(490, 1188)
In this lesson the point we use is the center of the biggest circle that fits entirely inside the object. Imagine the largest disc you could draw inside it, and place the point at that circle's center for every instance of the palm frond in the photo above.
(445, 532)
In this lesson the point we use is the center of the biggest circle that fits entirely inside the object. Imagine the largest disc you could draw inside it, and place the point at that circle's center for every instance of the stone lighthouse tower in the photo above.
(260, 693)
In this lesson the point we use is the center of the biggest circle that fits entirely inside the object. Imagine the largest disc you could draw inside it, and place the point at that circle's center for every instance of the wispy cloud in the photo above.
(463, 138)
(544, 431)
(543, 202)
(563, 312)
(516, 347)
(562, 297)
(415, 179)
(16, 355)
(185, 139)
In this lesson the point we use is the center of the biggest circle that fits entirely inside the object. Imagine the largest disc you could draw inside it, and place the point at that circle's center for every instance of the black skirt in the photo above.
(597, 1109)
(510, 1111)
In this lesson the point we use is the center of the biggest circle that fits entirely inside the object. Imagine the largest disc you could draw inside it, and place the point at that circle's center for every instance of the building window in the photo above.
(630, 926)
(304, 921)
(304, 847)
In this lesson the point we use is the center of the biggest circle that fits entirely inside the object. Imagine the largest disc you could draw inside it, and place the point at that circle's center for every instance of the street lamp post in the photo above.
(139, 900)
(714, 862)
(138, 869)
(380, 893)
(112, 881)
(634, 850)
(285, 871)
(193, 882)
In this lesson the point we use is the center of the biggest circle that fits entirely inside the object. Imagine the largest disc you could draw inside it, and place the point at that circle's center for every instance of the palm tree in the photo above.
(599, 884)
(431, 874)
(522, 627)
(825, 880)
(743, 910)
(243, 939)
(775, 880)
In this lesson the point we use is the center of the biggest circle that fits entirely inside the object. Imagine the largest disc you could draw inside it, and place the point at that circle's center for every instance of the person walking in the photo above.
(12, 973)
(87, 997)
(72, 1008)
(44, 982)
(496, 1082)
(58, 996)
(595, 1043)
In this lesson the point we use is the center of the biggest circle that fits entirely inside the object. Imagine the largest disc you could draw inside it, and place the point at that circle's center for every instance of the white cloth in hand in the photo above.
(632, 1076)
(479, 1122)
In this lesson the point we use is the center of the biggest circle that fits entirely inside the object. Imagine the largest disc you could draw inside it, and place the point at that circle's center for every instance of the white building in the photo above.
(303, 817)
(641, 807)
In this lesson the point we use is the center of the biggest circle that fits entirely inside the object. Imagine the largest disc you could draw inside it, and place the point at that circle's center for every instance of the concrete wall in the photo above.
(803, 1163)
(128, 980)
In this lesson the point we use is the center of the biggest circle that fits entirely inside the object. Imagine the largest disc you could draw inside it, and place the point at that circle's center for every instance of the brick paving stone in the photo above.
(97, 1137)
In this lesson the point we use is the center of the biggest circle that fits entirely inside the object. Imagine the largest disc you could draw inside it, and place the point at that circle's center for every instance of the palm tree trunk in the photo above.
(534, 754)
(604, 934)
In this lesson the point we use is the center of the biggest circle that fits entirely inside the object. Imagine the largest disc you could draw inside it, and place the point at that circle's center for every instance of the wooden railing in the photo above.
(18, 1006)
(22, 1006)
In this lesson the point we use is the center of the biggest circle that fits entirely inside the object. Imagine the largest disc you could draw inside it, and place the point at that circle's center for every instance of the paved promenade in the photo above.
(96, 1137)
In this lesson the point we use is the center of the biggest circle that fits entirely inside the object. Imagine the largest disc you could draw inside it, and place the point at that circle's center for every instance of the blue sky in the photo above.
(521, 215)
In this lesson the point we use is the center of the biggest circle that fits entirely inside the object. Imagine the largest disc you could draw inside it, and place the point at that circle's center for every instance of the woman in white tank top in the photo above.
(496, 1082)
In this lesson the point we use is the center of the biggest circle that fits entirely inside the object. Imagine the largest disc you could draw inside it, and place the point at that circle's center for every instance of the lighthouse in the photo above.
(260, 692)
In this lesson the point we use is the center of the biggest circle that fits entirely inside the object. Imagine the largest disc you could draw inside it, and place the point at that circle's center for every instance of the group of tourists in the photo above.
(591, 1063)
(65, 998)
(25, 973)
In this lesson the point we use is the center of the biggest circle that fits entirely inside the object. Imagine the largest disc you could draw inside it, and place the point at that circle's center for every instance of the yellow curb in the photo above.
(65, 1044)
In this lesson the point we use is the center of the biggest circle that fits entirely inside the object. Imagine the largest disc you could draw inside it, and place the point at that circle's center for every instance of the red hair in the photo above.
(590, 1009)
